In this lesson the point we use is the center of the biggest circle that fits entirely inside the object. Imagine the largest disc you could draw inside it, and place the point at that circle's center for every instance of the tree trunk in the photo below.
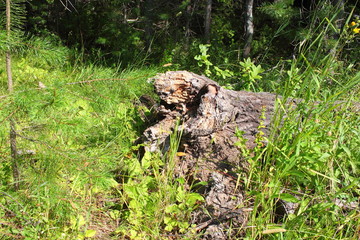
(8, 54)
(187, 26)
(149, 31)
(206, 108)
(209, 117)
(14, 157)
(8, 71)
(249, 28)
(12, 136)
(208, 20)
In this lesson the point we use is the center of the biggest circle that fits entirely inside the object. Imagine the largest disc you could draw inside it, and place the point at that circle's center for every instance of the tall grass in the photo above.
(312, 158)
(77, 130)
(82, 178)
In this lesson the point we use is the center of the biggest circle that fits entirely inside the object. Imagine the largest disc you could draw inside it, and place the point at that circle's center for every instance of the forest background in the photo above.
(79, 68)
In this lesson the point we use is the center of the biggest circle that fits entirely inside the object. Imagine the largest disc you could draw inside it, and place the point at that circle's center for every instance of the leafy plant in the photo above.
(250, 75)
(203, 60)
(153, 196)
(177, 214)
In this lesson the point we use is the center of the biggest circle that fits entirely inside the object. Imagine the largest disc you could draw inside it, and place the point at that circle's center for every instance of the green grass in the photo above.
(311, 162)
(85, 180)
(312, 157)
(81, 133)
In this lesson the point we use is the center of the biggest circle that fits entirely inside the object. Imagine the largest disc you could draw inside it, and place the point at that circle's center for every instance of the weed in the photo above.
(154, 198)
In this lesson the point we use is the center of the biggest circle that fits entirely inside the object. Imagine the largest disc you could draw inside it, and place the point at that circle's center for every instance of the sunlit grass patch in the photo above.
(77, 126)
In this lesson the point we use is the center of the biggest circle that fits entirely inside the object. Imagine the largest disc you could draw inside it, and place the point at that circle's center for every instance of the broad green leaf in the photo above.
(81, 221)
(193, 198)
(90, 233)
(288, 198)
(347, 150)
(146, 160)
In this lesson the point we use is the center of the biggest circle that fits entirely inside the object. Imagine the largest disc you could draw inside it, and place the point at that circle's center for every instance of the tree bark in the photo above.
(208, 21)
(209, 118)
(149, 31)
(8, 54)
(14, 157)
(249, 28)
(8, 71)
(205, 107)
(187, 26)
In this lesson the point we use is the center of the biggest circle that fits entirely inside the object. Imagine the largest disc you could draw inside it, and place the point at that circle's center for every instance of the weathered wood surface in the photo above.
(206, 108)
(209, 116)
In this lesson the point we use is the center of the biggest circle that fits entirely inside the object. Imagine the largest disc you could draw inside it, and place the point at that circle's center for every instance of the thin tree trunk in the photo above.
(208, 21)
(8, 55)
(14, 157)
(187, 26)
(15, 168)
(8, 71)
(149, 31)
(249, 28)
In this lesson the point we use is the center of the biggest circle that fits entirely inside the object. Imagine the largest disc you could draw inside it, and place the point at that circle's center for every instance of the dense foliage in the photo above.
(79, 69)
(158, 31)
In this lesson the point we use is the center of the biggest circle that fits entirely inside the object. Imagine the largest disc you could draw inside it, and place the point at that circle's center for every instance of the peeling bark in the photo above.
(209, 117)
(207, 110)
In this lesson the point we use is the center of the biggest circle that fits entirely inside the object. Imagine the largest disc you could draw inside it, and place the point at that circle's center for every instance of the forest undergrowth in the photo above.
(80, 176)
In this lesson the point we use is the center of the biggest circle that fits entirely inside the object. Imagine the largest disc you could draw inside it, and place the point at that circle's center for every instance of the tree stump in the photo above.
(209, 117)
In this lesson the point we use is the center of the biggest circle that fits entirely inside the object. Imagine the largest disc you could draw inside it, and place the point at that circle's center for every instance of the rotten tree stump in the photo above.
(209, 116)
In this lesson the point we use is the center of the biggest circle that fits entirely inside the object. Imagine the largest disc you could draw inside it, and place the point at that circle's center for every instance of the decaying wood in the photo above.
(206, 109)
(209, 116)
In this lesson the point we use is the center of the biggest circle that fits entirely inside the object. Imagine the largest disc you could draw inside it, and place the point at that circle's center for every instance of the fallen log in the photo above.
(209, 117)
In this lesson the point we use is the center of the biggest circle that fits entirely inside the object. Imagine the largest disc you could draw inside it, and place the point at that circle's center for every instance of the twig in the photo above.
(86, 98)
(8, 195)
(9, 116)
(224, 217)
(98, 92)
(82, 82)
(65, 5)
(26, 90)
(96, 80)
(72, 5)
(107, 79)
(47, 145)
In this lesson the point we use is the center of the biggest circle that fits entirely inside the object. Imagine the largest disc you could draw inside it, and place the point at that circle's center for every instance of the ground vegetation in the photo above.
(80, 70)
